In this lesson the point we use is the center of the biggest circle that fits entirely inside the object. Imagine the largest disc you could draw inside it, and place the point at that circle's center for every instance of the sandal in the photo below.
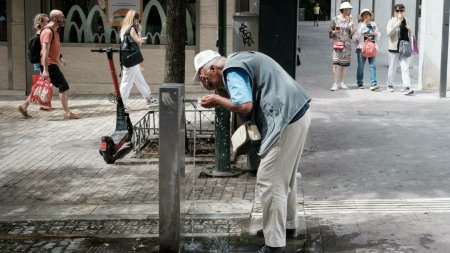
(23, 112)
(71, 115)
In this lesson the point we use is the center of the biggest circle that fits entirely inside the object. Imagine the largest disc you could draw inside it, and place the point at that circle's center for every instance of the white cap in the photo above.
(201, 59)
(345, 5)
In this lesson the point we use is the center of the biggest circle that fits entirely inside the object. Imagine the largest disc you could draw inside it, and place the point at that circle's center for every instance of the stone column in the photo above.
(430, 43)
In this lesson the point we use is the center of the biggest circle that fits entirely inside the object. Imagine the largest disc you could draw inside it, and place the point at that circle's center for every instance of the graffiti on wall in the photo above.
(246, 35)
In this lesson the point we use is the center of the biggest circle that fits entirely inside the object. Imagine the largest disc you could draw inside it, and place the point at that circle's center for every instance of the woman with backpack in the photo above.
(399, 30)
(133, 74)
(366, 37)
(40, 22)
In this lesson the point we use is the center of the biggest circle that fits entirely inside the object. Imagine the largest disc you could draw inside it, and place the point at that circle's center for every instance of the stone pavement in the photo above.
(375, 175)
(376, 164)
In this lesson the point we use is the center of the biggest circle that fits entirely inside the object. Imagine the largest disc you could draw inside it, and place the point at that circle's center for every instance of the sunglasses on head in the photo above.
(401, 10)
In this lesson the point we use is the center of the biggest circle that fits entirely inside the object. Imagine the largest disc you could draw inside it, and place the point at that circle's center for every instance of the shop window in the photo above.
(92, 21)
(3, 31)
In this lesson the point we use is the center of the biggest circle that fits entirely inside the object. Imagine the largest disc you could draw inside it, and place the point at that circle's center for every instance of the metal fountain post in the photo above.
(171, 166)
(222, 167)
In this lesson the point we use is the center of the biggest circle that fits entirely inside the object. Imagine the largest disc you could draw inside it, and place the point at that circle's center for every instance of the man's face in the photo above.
(60, 20)
(211, 77)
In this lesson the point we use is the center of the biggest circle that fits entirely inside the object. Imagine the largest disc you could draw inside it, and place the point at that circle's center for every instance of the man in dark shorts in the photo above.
(50, 55)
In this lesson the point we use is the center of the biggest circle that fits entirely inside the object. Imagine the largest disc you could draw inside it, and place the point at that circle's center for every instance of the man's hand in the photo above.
(210, 101)
(205, 82)
(64, 63)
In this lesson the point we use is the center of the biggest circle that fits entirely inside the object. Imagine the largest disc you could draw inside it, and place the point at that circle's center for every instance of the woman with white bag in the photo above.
(399, 30)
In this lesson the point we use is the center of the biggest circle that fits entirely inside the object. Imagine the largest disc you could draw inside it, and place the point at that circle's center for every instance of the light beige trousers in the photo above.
(277, 182)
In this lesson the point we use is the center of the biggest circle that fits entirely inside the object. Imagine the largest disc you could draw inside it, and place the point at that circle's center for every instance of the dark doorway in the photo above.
(325, 8)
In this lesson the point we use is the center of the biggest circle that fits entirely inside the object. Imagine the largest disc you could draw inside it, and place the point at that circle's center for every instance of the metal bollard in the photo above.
(171, 166)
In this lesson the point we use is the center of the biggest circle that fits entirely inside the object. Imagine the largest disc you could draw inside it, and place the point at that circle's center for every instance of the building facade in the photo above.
(92, 24)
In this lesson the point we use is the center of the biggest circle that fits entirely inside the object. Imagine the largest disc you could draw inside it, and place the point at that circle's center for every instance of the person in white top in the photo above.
(399, 29)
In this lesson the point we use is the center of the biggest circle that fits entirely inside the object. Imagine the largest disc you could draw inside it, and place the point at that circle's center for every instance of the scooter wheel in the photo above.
(109, 158)
(107, 149)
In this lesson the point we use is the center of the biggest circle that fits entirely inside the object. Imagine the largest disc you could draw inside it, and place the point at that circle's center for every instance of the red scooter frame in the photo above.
(111, 144)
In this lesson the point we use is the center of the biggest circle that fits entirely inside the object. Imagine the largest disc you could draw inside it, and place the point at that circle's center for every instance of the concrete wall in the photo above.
(430, 43)
(3, 66)
(208, 25)
(18, 45)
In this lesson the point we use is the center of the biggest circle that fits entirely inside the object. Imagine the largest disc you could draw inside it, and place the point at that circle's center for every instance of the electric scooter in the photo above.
(111, 144)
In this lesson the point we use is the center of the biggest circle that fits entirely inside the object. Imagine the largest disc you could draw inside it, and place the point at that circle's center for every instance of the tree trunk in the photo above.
(176, 39)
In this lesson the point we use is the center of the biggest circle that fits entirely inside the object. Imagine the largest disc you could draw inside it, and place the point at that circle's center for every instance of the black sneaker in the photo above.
(360, 86)
(290, 233)
(408, 91)
(267, 249)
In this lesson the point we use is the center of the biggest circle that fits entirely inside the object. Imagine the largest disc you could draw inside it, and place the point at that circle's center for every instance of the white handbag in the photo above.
(246, 136)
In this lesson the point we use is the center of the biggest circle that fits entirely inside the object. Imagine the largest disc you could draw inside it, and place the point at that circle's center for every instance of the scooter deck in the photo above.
(118, 136)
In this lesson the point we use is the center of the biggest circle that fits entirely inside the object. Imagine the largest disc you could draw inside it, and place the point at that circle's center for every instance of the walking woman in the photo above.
(399, 29)
(40, 21)
(367, 30)
(130, 75)
(342, 29)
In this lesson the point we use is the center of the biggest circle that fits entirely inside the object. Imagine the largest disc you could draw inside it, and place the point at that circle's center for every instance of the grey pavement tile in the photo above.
(206, 207)
(126, 209)
(49, 211)
(10, 211)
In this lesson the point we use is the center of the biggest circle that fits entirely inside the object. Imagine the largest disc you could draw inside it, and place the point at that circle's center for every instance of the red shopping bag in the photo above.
(41, 92)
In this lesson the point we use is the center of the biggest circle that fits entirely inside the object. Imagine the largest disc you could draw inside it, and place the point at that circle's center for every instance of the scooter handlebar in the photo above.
(110, 49)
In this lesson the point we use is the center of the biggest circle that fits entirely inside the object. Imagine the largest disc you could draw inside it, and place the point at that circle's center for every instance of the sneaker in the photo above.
(267, 249)
(390, 88)
(374, 88)
(334, 87)
(343, 86)
(407, 91)
(152, 102)
(360, 86)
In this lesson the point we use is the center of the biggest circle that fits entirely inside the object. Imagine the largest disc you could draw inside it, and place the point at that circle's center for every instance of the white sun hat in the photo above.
(345, 5)
(201, 59)
(364, 11)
